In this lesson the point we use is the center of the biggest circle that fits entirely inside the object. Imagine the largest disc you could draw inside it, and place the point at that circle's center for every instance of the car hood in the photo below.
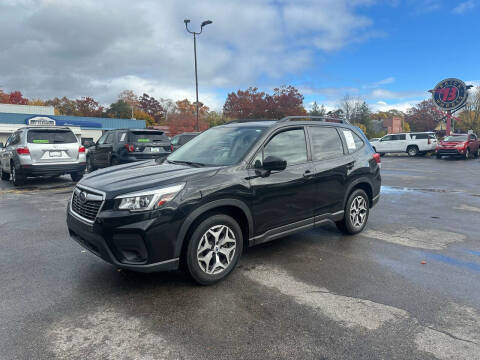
(142, 175)
(451, 143)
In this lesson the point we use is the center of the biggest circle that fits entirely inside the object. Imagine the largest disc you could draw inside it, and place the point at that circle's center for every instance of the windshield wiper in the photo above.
(191, 163)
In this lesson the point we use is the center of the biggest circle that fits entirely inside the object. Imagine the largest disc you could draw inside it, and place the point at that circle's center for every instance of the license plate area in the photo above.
(152, 149)
(55, 154)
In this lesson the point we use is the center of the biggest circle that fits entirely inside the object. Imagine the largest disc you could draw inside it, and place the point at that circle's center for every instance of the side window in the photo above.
(326, 142)
(9, 141)
(399, 137)
(354, 142)
(122, 136)
(386, 138)
(288, 145)
(15, 139)
(473, 137)
(175, 140)
(109, 139)
(102, 139)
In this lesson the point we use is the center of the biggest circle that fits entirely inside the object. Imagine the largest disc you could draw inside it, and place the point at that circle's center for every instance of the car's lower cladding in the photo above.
(127, 246)
(57, 169)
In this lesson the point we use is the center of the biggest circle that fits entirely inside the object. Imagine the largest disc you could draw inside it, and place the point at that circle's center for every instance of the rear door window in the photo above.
(110, 137)
(354, 142)
(147, 136)
(51, 137)
(325, 143)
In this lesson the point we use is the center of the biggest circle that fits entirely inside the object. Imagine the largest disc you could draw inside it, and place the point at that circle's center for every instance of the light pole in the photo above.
(195, 55)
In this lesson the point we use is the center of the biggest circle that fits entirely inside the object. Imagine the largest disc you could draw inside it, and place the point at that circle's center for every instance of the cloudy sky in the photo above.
(387, 51)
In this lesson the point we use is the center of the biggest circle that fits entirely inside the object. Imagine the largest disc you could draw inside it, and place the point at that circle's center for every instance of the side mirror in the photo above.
(273, 163)
(88, 144)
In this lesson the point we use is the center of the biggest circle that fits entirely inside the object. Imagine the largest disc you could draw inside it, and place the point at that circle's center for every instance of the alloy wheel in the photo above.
(216, 249)
(14, 174)
(358, 211)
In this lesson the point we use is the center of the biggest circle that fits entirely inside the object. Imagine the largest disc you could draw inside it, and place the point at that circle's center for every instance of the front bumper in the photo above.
(143, 246)
(450, 151)
(51, 170)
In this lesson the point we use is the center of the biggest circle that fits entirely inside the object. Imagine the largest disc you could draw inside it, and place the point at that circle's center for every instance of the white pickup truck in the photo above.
(413, 143)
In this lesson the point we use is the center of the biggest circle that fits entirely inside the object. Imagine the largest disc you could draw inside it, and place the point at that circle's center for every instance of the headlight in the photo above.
(148, 200)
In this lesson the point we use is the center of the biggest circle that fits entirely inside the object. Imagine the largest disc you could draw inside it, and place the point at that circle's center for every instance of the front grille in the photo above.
(88, 209)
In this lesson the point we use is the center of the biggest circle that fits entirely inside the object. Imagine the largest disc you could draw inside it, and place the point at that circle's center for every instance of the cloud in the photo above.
(402, 106)
(385, 81)
(96, 48)
(387, 94)
(464, 6)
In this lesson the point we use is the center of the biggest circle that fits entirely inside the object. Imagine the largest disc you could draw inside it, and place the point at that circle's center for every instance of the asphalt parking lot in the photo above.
(314, 295)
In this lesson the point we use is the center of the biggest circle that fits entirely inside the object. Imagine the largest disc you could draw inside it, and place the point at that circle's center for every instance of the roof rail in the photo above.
(246, 120)
(315, 118)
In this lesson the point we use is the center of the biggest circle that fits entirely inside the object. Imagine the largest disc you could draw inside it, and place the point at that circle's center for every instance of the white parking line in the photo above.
(413, 237)
(349, 311)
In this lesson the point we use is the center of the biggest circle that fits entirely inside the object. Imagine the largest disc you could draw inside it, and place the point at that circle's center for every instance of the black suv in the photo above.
(181, 139)
(127, 145)
(233, 186)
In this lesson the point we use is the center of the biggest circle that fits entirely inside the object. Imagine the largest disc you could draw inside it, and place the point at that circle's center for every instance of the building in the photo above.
(27, 109)
(389, 126)
(87, 128)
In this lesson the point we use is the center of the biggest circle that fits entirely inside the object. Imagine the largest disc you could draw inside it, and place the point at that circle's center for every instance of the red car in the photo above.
(465, 145)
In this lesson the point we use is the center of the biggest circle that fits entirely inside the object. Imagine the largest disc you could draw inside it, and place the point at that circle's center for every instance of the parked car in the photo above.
(233, 186)
(414, 143)
(182, 139)
(122, 146)
(373, 139)
(42, 151)
(465, 145)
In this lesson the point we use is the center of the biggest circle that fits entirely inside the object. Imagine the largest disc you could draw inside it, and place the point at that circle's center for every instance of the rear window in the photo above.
(51, 137)
(147, 136)
(456, 138)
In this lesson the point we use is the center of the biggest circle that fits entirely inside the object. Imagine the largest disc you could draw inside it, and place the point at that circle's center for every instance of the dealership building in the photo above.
(14, 117)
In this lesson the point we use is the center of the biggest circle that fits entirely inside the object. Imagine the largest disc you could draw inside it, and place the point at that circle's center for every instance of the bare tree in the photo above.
(470, 115)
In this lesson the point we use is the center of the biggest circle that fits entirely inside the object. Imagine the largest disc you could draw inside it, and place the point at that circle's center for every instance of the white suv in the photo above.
(413, 143)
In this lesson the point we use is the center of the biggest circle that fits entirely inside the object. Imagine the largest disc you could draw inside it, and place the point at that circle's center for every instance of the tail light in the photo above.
(429, 141)
(171, 147)
(376, 156)
(129, 148)
(81, 149)
(23, 151)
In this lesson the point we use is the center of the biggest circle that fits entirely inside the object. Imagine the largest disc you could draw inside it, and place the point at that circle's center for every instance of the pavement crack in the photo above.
(449, 334)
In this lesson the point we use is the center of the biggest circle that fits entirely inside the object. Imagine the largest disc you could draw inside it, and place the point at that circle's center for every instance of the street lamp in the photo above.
(207, 22)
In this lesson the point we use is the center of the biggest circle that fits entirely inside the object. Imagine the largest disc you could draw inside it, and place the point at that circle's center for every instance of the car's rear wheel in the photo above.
(214, 249)
(412, 151)
(18, 178)
(356, 213)
(114, 161)
(5, 176)
(76, 176)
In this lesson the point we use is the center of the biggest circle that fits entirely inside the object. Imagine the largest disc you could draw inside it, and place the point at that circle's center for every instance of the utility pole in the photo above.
(186, 21)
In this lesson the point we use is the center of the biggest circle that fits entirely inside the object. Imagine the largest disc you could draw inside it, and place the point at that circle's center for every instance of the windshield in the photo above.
(147, 136)
(51, 137)
(456, 138)
(218, 146)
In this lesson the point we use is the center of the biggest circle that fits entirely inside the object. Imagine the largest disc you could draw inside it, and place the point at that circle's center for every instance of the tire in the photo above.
(467, 154)
(358, 207)
(114, 161)
(438, 156)
(412, 151)
(18, 178)
(76, 176)
(90, 166)
(204, 258)
(5, 176)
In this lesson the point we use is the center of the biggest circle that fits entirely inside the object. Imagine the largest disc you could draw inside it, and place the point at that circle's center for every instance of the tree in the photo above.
(36, 102)
(184, 117)
(120, 109)
(4, 98)
(285, 101)
(63, 106)
(424, 116)
(215, 118)
(246, 104)
(469, 118)
(16, 97)
(87, 106)
(151, 106)
(317, 110)
(406, 127)
(142, 115)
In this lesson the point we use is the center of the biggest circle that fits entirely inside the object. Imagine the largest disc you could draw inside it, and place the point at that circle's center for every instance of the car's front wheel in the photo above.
(467, 154)
(214, 249)
(356, 213)
(76, 176)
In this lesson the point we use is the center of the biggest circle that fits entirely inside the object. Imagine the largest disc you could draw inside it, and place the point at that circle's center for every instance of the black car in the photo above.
(182, 139)
(122, 146)
(233, 186)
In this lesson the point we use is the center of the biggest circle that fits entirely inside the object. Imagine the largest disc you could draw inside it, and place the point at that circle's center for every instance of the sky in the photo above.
(388, 52)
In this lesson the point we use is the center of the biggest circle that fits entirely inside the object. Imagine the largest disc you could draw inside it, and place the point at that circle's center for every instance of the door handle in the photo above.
(307, 174)
(350, 165)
